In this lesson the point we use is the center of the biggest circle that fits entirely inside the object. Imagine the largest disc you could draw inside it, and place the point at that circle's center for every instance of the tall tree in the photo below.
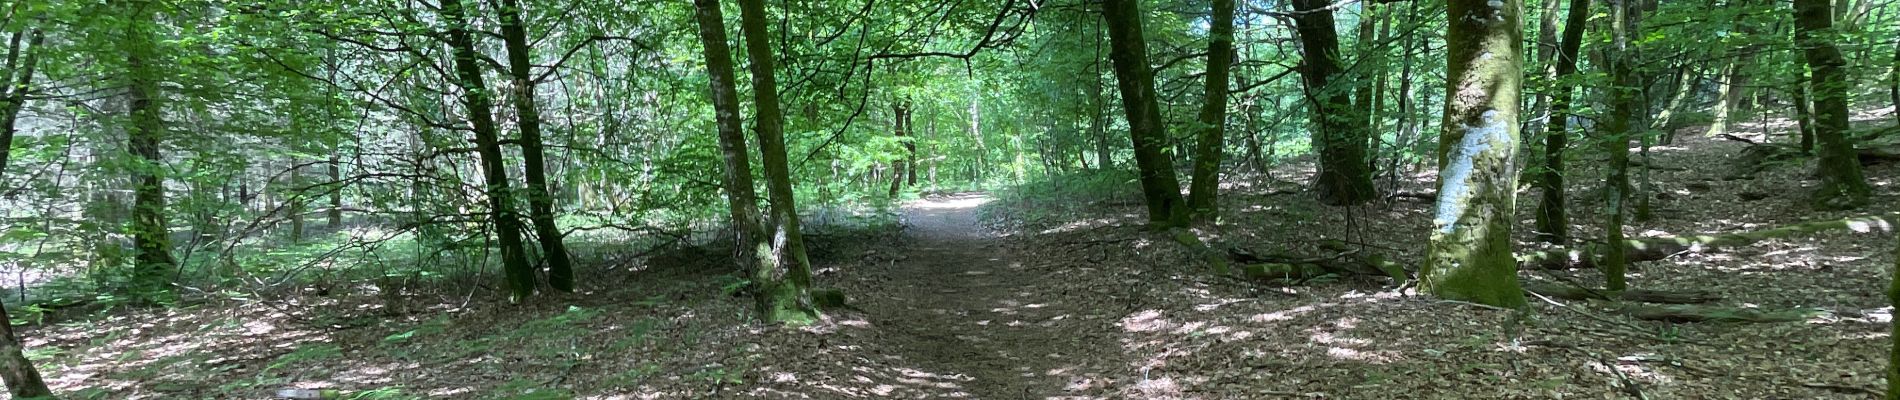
(1469, 255)
(1618, 129)
(784, 293)
(900, 120)
(1135, 78)
(145, 137)
(477, 99)
(534, 167)
(21, 377)
(1842, 185)
(741, 198)
(1205, 186)
(1553, 222)
(1344, 176)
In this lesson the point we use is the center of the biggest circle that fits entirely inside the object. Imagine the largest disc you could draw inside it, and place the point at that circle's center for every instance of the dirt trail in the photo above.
(964, 307)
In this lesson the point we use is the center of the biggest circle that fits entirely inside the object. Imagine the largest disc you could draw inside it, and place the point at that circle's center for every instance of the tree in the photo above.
(534, 167)
(900, 117)
(145, 137)
(784, 288)
(1135, 79)
(1344, 176)
(16, 80)
(1842, 185)
(1893, 351)
(741, 197)
(1624, 107)
(1205, 184)
(1553, 222)
(1469, 255)
(476, 98)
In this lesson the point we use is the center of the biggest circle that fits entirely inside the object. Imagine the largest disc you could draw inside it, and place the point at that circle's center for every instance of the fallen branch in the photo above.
(1636, 295)
(1689, 313)
(1652, 249)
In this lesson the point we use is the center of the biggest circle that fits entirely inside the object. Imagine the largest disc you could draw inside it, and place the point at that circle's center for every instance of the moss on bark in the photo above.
(1469, 255)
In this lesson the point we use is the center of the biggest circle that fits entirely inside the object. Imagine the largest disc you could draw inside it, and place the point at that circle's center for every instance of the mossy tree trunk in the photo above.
(785, 284)
(153, 265)
(1624, 106)
(21, 377)
(1205, 186)
(1469, 255)
(741, 197)
(1128, 50)
(533, 162)
(1344, 177)
(1842, 185)
(476, 97)
(1553, 221)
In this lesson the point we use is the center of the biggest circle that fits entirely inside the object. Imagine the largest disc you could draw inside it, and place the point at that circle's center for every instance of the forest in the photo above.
(991, 199)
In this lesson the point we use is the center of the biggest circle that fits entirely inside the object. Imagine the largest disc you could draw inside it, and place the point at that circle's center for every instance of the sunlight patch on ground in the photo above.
(959, 202)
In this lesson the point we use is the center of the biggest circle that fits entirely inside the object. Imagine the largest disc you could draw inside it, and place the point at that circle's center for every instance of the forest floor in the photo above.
(1065, 297)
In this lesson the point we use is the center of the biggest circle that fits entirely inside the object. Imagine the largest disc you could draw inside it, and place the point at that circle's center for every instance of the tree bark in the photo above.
(1135, 78)
(785, 288)
(533, 161)
(1842, 185)
(1553, 221)
(520, 281)
(1469, 255)
(1344, 178)
(741, 197)
(1204, 188)
(21, 377)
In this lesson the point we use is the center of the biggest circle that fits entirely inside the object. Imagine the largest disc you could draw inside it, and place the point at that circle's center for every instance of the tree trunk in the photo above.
(1842, 185)
(1803, 113)
(533, 161)
(1344, 178)
(741, 198)
(1469, 255)
(1553, 221)
(900, 116)
(335, 168)
(1728, 96)
(21, 377)
(1205, 186)
(1624, 106)
(1135, 78)
(784, 294)
(1098, 107)
(1893, 351)
(1684, 87)
(1893, 82)
(154, 264)
(297, 206)
(520, 280)
(1547, 48)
